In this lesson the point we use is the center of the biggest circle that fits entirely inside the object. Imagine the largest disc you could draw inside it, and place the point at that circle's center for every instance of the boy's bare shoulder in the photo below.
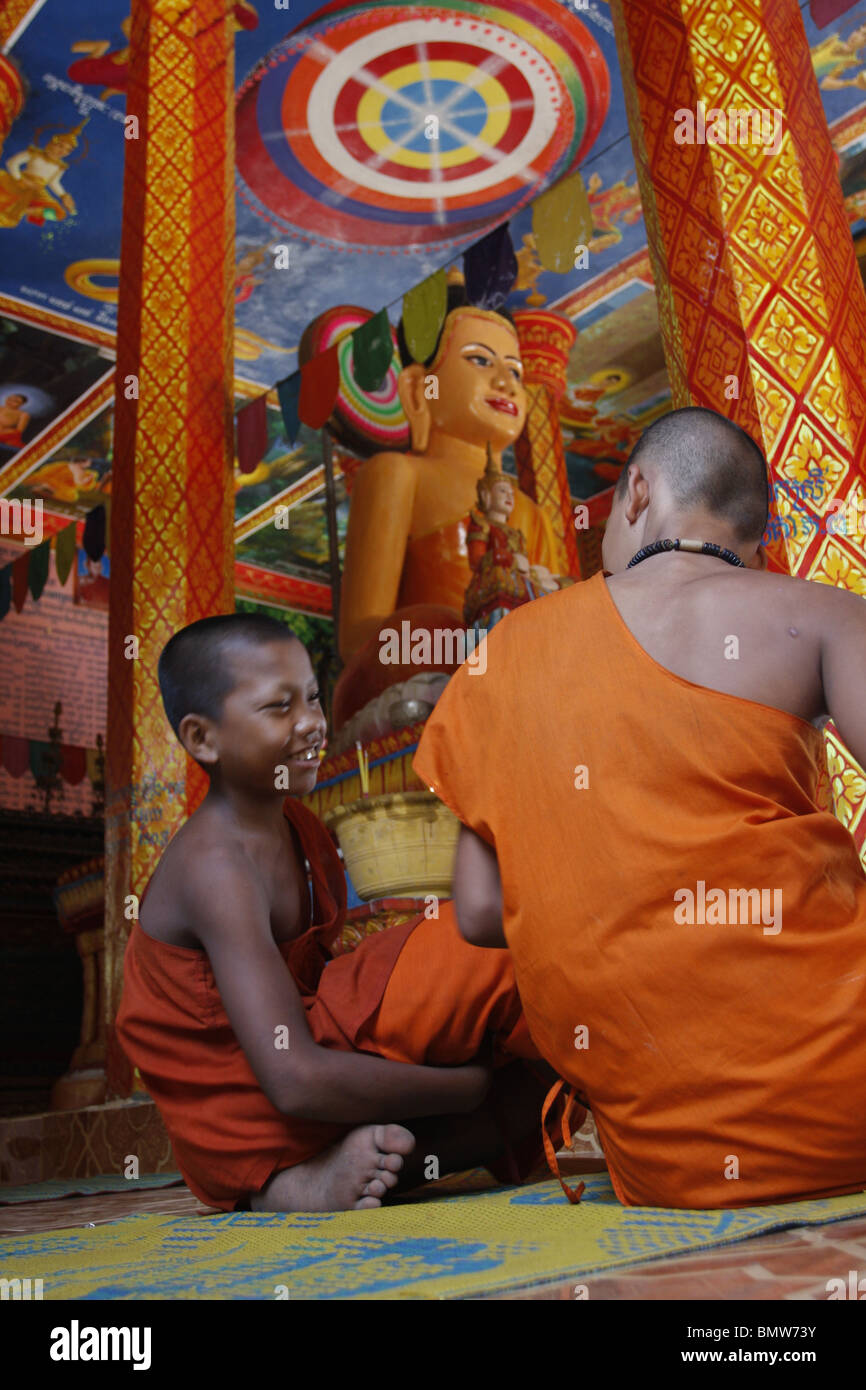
(203, 878)
(215, 863)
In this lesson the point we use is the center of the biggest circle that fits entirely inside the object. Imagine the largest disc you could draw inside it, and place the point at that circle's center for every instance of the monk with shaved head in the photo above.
(639, 775)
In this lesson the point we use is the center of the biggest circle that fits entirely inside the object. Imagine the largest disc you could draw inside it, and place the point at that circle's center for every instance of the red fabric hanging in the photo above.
(245, 14)
(73, 763)
(16, 755)
(825, 11)
(20, 580)
(252, 434)
(320, 382)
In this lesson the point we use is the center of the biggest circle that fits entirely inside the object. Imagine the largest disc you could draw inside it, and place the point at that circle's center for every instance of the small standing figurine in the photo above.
(13, 421)
(502, 577)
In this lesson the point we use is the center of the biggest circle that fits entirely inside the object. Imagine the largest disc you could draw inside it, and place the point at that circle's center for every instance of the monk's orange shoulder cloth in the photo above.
(687, 922)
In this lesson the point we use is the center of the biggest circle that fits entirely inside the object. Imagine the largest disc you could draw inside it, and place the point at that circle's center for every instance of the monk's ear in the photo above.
(637, 493)
(416, 407)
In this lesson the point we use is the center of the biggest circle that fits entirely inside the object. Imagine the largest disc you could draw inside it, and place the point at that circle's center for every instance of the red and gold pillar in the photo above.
(545, 342)
(761, 304)
(172, 514)
(11, 15)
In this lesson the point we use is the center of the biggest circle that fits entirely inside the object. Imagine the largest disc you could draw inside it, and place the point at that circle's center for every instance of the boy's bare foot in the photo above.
(354, 1174)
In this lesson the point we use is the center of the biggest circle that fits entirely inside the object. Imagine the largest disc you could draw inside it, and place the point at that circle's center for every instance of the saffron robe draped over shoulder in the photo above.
(724, 1060)
(416, 992)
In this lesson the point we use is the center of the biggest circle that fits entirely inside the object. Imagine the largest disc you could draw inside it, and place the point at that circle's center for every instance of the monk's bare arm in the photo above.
(381, 517)
(843, 665)
(226, 907)
(478, 891)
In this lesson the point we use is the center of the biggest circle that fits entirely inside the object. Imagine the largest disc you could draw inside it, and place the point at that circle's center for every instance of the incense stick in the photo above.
(363, 768)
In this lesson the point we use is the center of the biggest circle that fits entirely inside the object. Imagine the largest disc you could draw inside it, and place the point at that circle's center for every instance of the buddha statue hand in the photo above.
(542, 579)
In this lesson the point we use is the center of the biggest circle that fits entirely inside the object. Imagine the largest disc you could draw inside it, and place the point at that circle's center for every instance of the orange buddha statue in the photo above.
(406, 551)
(502, 577)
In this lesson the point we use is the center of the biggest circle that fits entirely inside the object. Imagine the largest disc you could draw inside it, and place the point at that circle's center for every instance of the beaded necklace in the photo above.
(696, 547)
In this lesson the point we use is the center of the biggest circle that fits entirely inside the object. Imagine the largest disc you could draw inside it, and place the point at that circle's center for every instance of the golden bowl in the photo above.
(398, 845)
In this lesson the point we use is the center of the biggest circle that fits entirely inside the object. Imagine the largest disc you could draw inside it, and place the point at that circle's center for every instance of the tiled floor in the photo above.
(63, 1212)
(791, 1265)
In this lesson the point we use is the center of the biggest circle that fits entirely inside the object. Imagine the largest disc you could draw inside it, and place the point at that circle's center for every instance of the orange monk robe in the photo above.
(413, 993)
(724, 1062)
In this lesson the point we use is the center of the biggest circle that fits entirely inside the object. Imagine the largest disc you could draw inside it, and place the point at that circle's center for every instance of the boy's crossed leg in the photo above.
(372, 1160)
(446, 1003)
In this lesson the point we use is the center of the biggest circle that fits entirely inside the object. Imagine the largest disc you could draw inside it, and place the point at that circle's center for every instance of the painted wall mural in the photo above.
(41, 375)
(376, 142)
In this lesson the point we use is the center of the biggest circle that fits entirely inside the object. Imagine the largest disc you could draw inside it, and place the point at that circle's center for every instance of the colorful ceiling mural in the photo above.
(375, 143)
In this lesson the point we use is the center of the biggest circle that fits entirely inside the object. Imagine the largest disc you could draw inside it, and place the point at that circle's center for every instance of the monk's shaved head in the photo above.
(707, 462)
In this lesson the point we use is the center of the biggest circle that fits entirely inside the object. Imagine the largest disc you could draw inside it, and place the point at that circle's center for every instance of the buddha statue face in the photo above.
(479, 394)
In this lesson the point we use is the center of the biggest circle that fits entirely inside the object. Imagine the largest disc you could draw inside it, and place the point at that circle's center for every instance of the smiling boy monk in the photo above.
(252, 1042)
(638, 776)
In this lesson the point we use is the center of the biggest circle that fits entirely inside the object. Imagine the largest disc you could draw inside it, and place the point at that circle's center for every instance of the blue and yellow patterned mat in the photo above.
(453, 1247)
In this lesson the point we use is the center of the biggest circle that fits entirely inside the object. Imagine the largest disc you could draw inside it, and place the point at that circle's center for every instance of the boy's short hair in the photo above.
(194, 676)
(709, 461)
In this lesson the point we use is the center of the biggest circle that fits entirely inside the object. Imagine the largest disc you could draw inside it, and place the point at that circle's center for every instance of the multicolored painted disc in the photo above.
(363, 421)
(383, 126)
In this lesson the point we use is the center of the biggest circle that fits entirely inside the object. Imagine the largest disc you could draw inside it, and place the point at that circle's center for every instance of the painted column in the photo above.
(11, 15)
(171, 529)
(761, 304)
(545, 342)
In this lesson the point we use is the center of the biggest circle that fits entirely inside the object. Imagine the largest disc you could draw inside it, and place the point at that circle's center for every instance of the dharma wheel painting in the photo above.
(374, 127)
